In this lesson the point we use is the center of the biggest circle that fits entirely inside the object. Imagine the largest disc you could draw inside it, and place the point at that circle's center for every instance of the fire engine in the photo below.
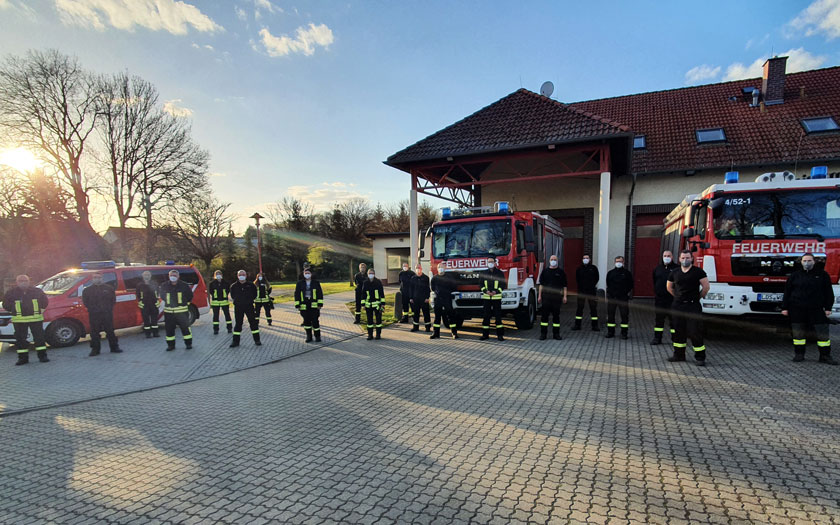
(749, 237)
(521, 242)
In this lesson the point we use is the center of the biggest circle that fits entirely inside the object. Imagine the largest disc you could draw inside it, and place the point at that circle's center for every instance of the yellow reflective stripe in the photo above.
(18, 307)
(27, 318)
(180, 297)
(799, 341)
(700, 348)
(657, 329)
(176, 310)
(679, 345)
(824, 343)
(36, 308)
(611, 325)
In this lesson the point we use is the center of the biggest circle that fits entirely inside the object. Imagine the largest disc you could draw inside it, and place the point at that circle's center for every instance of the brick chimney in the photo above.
(773, 81)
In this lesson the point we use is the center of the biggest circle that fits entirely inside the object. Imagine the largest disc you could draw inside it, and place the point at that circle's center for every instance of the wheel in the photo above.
(64, 332)
(193, 313)
(524, 316)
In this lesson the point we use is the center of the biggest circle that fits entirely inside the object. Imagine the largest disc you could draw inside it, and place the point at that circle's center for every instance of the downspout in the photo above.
(630, 225)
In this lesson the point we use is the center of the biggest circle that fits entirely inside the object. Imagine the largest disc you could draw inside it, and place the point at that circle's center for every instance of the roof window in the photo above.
(711, 135)
(639, 142)
(816, 125)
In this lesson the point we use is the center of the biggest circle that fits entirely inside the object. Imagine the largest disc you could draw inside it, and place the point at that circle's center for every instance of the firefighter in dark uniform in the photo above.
(176, 296)
(619, 288)
(662, 299)
(359, 281)
(99, 299)
(263, 300)
(808, 301)
(405, 290)
(492, 284)
(148, 302)
(374, 300)
(587, 277)
(219, 300)
(27, 303)
(552, 295)
(688, 284)
(309, 299)
(443, 285)
(421, 291)
(242, 294)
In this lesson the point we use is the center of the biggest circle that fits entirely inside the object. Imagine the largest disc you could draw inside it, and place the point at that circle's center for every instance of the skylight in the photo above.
(639, 142)
(816, 125)
(706, 136)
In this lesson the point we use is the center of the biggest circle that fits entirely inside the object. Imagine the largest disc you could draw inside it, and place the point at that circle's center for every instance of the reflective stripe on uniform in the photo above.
(799, 341)
(679, 345)
(624, 325)
(700, 348)
(657, 329)
(610, 325)
(824, 344)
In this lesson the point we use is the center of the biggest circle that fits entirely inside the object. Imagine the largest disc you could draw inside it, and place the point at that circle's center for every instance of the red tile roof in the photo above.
(522, 119)
(669, 119)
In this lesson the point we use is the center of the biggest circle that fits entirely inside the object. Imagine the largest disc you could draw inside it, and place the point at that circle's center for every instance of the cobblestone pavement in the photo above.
(413, 430)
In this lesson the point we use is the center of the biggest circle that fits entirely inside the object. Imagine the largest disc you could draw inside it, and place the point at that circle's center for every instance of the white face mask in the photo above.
(307, 276)
(218, 277)
(491, 265)
(808, 265)
(405, 268)
(173, 279)
(260, 277)
(371, 276)
(553, 263)
(241, 278)
(586, 261)
(666, 260)
(619, 265)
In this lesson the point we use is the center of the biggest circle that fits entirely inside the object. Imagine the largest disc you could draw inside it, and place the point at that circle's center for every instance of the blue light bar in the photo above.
(170, 263)
(819, 172)
(731, 177)
(445, 213)
(98, 265)
(503, 207)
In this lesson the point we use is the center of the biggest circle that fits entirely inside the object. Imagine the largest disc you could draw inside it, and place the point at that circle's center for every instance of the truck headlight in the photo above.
(837, 300)
(715, 296)
(719, 306)
(510, 294)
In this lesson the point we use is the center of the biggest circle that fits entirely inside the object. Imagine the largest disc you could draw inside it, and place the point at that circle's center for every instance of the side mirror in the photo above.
(694, 247)
(689, 232)
(529, 236)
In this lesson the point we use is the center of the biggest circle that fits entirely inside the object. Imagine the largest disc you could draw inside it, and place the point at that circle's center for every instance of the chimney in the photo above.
(773, 81)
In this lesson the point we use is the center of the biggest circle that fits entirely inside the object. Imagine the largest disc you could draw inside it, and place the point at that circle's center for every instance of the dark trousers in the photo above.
(226, 309)
(662, 311)
(418, 306)
(239, 313)
(310, 320)
(551, 308)
(492, 308)
(359, 300)
(406, 304)
(593, 308)
(623, 308)
(22, 330)
(806, 322)
(150, 315)
(180, 320)
(102, 322)
(688, 324)
(374, 314)
(444, 313)
(258, 309)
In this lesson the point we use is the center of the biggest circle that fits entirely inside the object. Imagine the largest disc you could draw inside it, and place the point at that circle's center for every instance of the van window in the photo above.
(60, 283)
(189, 276)
(132, 278)
(109, 278)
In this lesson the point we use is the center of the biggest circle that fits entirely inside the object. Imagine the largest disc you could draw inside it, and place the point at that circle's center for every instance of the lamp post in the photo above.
(257, 218)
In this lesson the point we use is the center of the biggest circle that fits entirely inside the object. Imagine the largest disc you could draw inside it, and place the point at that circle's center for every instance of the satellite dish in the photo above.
(547, 88)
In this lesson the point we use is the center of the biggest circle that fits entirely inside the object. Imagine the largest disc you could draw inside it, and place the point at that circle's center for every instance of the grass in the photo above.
(387, 313)
(287, 290)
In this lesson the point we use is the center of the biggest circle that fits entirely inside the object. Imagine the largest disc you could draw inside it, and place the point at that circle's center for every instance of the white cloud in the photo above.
(799, 60)
(325, 195)
(172, 107)
(701, 73)
(304, 42)
(240, 13)
(821, 17)
(173, 16)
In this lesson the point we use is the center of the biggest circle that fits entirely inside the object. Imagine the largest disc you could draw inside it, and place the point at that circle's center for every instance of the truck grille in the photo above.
(768, 266)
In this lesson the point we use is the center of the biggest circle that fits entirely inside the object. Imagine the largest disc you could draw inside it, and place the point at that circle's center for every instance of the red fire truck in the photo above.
(749, 237)
(520, 241)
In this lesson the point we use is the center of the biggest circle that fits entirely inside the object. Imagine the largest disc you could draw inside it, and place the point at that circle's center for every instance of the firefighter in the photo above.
(27, 303)
(148, 302)
(374, 300)
(99, 299)
(243, 294)
(420, 291)
(662, 299)
(405, 290)
(552, 294)
(443, 285)
(359, 281)
(263, 299)
(587, 277)
(219, 300)
(619, 288)
(808, 301)
(176, 296)
(309, 299)
(492, 285)
(688, 284)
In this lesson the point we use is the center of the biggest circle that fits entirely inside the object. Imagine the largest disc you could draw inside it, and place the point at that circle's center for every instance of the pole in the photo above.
(257, 218)
(414, 231)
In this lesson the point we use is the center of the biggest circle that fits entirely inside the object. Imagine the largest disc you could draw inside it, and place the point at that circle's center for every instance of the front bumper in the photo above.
(724, 299)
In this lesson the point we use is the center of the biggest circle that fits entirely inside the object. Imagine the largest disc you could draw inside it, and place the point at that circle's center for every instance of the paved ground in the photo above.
(412, 430)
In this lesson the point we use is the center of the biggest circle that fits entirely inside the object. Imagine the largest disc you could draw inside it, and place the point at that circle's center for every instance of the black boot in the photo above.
(155, 332)
(556, 334)
(93, 352)
(798, 353)
(116, 350)
(543, 333)
(23, 358)
(42, 356)
(215, 329)
(308, 335)
(485, 334)
(404, 319)
(188, 344)
(370, 334)
(500, 334)
(577, 324)
(269, 321)
(624, 333)
(379, 333)
(825, 356)
(700, 358)
(317, 335)
(148, 334)
(454, 333)
(595, 326)
(435, 333)
(657, 338)
(415, 328)
(610, 332)
(679, 355)
(235, 342)
(257, 341)
(229, 328)
(358, 319)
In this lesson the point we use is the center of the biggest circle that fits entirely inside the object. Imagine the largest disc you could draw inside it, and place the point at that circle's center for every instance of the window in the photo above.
(472, 239)
(132, 278)
(706, 136)
(539, 241)
(639, 142)
(61, 283)
(816, 125)
(520, 238)
(778, 215)
(109, 278)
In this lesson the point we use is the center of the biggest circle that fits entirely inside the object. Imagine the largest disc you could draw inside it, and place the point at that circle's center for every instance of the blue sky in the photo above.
(307, 99)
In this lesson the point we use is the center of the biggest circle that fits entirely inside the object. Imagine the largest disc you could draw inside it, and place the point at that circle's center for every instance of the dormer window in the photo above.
(710, 136)
(819, 124)
(639, 142)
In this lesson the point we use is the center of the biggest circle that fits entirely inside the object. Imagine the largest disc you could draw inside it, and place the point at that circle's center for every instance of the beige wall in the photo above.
(380, 263)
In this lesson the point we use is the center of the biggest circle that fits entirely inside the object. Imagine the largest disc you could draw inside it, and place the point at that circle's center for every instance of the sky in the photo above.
(306, 99)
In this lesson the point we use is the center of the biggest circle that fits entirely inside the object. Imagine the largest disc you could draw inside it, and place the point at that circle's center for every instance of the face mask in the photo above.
(218, 277)
(553, 264)
(686, 263)
(666, 260)
(808, 265)
(241, 278)
(491, 265)
(307, 276)
(371, 276)
(619, 265)
(147, 279)
(405, 268)
(173, 279)
(586, 261)
(260, 277)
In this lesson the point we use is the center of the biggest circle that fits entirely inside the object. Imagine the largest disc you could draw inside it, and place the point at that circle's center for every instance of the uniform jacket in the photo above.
(492, 280)
(26, 305)
(263, 291)
(360, 279)
(176, 297)
(443, 284)
(553, 280)
(420, 289)
(587, 277)
(99, 298)
(660, 282)
(147, 295)
(405, 280)
(219, 292)
(619, 283)
(808, 290)
(373, 293)
(316, 299)
(243, 294)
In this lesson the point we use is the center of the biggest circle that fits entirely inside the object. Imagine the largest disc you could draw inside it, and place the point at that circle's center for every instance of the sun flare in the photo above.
(20, 159)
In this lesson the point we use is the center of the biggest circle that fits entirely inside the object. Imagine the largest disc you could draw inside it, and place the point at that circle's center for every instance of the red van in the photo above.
(66, 318)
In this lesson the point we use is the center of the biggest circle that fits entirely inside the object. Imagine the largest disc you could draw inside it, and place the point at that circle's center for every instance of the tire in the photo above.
(64, 332)
(525, 316)
(193, 314)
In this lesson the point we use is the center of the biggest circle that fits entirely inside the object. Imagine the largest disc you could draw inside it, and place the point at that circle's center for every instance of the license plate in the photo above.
(469, 295)
(771, 297)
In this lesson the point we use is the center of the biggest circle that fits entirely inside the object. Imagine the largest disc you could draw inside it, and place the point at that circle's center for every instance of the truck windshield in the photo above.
(778, 214)
(60, 283)
(472, 239)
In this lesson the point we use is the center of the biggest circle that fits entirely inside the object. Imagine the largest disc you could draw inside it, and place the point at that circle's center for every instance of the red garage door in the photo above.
(646, 253)
(572, 247)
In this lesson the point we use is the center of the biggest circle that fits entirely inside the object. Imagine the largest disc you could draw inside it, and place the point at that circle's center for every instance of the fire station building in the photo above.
(611, 169)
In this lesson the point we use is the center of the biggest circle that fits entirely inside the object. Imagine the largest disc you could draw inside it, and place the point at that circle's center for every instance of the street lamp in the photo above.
(257, 218)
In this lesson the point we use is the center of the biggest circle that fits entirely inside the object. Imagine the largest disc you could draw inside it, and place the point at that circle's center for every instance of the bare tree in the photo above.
(47, 104)
(201, 222)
